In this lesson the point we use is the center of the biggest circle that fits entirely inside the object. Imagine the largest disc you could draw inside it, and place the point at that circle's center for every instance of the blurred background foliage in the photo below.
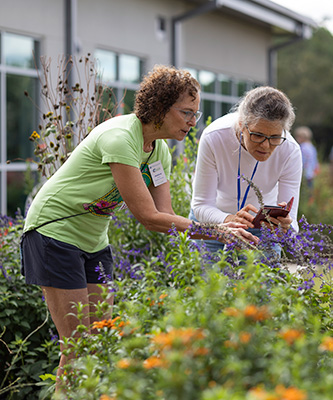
(305, 74)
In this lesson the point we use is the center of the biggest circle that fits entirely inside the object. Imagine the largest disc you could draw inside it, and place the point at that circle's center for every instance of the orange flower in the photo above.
(244, 337)
(256, 313)
(201, 351)
(106, 397)
(175, 336)
(231, 312)
(105, 323)
(291, 335)
(280, 393)
(290, 393)
(123, 363)
(230, 344)
(123, 323)
(327, 344)
(99, 324)
(163, 296)
(260, 393)
(153, 362)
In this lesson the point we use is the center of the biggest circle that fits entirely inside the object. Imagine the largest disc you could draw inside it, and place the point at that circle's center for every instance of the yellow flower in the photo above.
(34, 135)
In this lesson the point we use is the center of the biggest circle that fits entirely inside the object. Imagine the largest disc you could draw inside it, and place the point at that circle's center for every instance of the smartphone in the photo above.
(272, 211)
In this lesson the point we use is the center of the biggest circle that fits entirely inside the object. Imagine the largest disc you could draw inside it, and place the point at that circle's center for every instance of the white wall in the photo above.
(211, 41)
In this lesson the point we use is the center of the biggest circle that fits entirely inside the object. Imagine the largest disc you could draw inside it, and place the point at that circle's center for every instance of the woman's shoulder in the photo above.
(225, 122)
(221, 130)
(291, 143)
(289, 150)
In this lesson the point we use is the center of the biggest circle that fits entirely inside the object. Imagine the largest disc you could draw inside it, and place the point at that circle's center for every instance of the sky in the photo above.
(318, 10)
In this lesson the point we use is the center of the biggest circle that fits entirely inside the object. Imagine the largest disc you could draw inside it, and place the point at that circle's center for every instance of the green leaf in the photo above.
(47, 376)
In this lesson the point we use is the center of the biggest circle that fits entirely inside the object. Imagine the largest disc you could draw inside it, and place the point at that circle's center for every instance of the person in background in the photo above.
(303, 135)
(123, 162)
(253, 141)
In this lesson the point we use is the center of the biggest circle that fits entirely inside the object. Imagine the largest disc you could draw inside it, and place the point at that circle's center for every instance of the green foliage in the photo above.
(72, 111)
(26, 348)
(208, 335)
(182, 175)
(317, 206)
(305, 74)
(185, 327)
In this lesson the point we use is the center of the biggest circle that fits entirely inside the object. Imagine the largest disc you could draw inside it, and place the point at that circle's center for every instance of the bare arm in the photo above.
(152, 208)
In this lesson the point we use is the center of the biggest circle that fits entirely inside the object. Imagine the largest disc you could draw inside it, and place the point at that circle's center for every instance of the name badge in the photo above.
(157, 173)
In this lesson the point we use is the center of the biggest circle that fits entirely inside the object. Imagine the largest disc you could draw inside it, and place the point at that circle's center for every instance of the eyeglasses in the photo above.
(188, 115)
(260, 138)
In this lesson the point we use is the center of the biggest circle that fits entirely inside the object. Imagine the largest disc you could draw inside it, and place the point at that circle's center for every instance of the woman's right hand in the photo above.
(243, 216)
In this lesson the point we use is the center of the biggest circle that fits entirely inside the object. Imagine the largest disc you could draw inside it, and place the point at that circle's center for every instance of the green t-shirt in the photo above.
(84, 184)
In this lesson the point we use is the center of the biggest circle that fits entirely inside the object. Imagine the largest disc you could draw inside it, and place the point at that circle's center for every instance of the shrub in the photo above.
(201, 335)
(26, 343)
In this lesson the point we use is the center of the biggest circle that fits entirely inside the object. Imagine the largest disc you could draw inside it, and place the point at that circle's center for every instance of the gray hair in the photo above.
(303, 133)
(266, 103)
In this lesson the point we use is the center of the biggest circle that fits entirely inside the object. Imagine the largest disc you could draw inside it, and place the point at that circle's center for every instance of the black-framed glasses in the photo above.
(188, 115)
(257, 137)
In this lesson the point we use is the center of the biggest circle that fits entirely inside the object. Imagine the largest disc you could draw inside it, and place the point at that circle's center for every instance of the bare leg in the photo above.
(61, 303)
(94, 293)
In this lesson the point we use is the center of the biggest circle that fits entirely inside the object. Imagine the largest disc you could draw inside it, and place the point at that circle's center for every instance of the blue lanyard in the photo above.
(239, 178)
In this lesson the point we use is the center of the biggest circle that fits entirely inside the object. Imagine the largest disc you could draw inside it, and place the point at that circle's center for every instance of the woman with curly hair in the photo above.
(123, 162)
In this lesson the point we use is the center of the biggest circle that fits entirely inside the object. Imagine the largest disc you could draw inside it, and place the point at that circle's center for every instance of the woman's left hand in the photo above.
(237, 229)
(283, 222)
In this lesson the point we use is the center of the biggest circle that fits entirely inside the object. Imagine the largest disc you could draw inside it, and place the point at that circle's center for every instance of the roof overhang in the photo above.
(279, 19)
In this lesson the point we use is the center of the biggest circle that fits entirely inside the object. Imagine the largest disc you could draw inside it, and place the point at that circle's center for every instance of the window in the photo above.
(207, 81)
(122, 72)
(161, 28)
(219, 93)
(18, 117)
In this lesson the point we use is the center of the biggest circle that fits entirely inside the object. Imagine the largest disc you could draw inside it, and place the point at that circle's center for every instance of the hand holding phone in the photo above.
(272, 211)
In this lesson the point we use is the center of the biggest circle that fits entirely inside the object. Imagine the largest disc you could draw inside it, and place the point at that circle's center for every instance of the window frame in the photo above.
(118, 86)
(15, 166)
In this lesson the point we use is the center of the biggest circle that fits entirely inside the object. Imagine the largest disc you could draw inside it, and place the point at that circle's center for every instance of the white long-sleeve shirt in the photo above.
(215, 181)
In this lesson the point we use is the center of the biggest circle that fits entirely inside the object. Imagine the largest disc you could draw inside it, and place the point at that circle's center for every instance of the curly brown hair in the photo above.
(159, 90)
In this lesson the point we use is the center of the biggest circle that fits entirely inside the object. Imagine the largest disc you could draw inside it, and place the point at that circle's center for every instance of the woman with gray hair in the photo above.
(252, 141)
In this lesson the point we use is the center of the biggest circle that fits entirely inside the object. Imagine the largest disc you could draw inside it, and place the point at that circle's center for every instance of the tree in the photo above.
(305, 74)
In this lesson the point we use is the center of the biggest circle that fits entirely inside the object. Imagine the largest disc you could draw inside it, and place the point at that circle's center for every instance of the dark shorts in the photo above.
(49, 262)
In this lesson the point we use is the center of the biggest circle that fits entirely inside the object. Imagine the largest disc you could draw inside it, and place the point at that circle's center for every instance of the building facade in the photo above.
(228, 45)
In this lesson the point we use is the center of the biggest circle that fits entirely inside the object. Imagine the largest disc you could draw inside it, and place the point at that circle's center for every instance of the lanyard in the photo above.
(151, 153)
(239, 178)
